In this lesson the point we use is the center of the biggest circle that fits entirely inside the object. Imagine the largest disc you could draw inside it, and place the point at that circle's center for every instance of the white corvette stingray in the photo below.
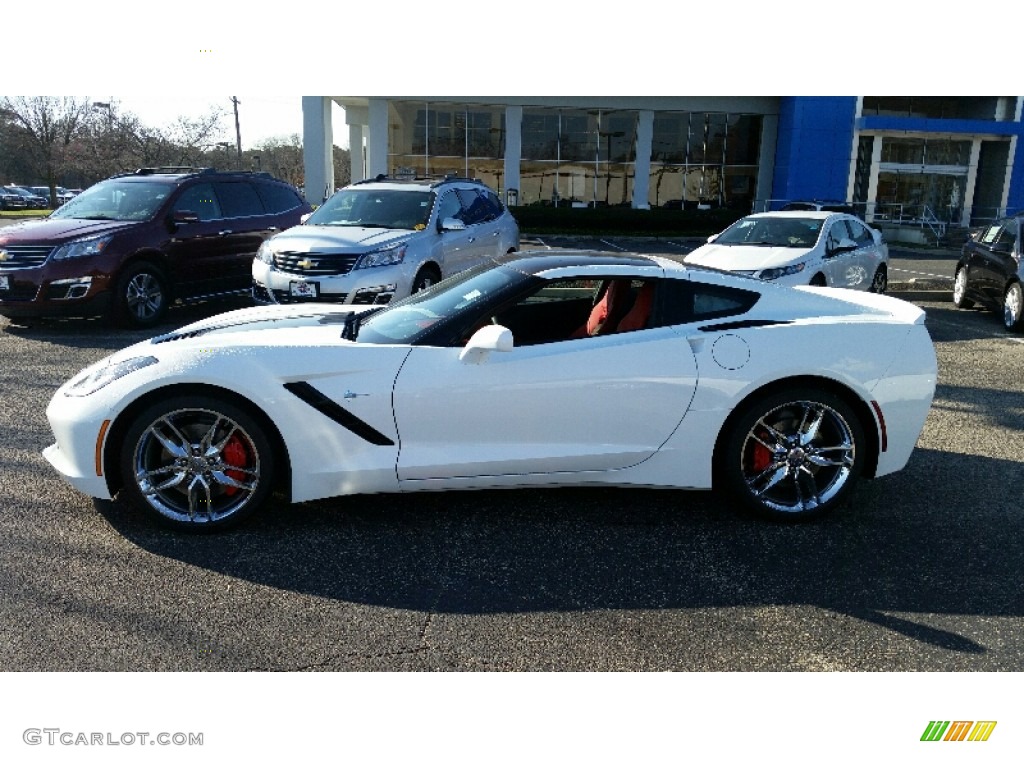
(538, 369)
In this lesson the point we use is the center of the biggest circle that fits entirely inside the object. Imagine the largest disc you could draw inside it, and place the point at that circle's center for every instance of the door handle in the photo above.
(225, 232)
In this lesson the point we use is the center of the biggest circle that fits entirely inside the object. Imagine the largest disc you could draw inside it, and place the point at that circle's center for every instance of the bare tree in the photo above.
(45, 127)
(195, 136)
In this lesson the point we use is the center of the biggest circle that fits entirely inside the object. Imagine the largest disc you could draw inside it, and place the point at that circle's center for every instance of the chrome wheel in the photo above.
(144, 297)
(201, 465)
(141, 297)
(960, 290)
(1013, 307)
(794, 456)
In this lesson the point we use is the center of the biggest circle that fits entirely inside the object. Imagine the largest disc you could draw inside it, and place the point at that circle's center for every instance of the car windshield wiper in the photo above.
(354, 320)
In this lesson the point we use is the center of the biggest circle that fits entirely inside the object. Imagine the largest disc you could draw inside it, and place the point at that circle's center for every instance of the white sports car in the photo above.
(539, 369)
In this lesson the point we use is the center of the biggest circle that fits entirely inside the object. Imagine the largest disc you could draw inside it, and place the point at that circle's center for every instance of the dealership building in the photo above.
(919, 161)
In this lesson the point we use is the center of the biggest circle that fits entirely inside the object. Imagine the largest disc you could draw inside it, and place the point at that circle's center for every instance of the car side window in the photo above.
(686, 301)
(837, 233)
(574, 308)
(860, 233)
(238, 199)
(1006, 239)
(450, 206)
(474, 206)
(200, 200)
(277, 198)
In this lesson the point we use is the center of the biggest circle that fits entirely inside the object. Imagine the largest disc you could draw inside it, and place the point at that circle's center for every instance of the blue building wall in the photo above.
(815, 144)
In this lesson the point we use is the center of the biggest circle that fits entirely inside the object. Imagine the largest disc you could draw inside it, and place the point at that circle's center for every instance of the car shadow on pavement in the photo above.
(594, 549)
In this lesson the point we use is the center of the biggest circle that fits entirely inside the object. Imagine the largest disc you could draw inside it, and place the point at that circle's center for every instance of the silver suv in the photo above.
(382, 239)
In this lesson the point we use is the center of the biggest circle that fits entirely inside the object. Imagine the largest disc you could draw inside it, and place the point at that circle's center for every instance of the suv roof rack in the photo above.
(437, 179)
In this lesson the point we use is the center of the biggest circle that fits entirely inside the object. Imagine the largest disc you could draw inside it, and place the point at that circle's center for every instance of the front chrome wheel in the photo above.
(795, 456)
(960, 290)
(202, 465)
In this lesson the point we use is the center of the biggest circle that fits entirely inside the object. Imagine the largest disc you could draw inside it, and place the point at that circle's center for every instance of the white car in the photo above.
(801, 248)
(543, 369)
(382, 239)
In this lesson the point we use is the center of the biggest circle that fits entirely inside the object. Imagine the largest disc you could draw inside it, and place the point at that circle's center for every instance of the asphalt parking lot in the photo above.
(920, 572)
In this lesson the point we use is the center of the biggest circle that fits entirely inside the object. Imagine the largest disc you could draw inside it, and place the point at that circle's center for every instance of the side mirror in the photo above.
(451, 224)
(846, 244)
(713, 237)
(490, 338)
(304, 217)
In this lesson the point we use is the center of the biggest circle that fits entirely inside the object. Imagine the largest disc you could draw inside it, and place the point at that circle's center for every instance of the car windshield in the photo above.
(405, 321)
(779, 231)
(116, 200)
(381, 208)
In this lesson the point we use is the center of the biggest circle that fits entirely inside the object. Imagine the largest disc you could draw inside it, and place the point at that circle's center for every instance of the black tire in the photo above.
(819, 280)
(793, 455)
(196, 463)
(960, 290)
(426, 277)
(1013, 307)
(141, 297)
(880, 281)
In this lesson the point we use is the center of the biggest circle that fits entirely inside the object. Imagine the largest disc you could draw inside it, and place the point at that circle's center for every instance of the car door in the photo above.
(459, 249)
(571, 405)
(843, 266)
(867, 256)
(199, 246)
(993, 261)
(246, 224)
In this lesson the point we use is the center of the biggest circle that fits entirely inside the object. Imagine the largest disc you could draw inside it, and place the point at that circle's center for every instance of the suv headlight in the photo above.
(776, 272)
(265, 253)
(76, 249)
(383, 258)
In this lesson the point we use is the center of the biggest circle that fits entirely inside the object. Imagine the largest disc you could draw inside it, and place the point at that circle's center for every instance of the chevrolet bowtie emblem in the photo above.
(4, 256)
(307, 263)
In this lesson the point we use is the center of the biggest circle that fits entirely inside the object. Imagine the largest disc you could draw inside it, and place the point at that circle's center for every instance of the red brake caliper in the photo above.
(236, 455)
(761, 458)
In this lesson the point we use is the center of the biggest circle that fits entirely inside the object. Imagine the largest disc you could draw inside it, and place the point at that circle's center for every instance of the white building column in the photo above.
(377, 140)
(876, 163)
(317, 148)
(513, 148)
(357, 118)
(972, 179)
(642, 166)
(766, 163)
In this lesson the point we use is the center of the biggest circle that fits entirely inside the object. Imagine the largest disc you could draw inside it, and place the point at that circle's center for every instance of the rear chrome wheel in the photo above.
(1013, 307)
(793, 455)
(196, 463)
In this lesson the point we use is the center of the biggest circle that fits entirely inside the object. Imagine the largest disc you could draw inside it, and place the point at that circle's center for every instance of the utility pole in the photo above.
(238, 132)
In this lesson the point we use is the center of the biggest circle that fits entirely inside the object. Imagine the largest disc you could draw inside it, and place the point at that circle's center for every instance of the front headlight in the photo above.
(76, 249)
(776, 272)
(265, 253)
(383, 258)
(104, 372)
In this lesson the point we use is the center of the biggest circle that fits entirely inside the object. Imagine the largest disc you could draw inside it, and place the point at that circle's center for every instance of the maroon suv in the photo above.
(130, 245)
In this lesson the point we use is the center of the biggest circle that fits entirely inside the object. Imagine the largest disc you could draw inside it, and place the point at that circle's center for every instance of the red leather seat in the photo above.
(605, 314)
(638, 315)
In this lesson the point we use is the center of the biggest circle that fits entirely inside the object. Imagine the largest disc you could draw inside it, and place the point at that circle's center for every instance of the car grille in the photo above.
(315, 264)
(25, 256)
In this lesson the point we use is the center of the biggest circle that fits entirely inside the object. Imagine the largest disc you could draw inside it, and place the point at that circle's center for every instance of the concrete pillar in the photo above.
(317, 148)
(642, 166)
(972, 179)
(377, 140)
(513, 148)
